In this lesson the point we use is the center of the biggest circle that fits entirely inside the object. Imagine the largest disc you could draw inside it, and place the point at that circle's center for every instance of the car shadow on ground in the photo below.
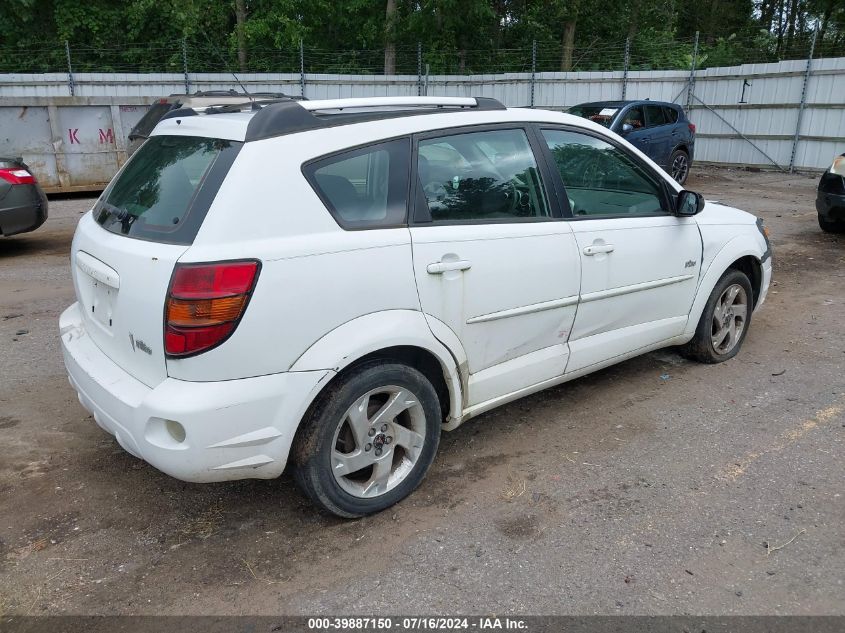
(466, 455)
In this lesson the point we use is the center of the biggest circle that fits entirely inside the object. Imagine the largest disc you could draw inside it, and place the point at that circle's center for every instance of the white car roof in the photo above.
(423, 114)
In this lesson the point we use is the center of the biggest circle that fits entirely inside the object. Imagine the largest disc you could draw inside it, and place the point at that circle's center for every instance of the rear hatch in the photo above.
(125, 250)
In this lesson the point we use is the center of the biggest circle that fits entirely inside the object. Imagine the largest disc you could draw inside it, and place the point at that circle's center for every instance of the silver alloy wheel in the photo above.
(729, 318)
(680, 167)
(378, 441)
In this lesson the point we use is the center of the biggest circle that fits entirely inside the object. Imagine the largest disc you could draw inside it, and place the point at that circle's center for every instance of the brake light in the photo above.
(17, 176)
(205, 303)
(691, 127)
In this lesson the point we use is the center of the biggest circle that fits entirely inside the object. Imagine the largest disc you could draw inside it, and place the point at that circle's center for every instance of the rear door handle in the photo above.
(438, 268)
(598, 248)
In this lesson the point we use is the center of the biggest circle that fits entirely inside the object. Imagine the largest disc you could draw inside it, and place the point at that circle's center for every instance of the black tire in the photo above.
(683, 166)
(316, 440)
(831, 226)
(701, 348)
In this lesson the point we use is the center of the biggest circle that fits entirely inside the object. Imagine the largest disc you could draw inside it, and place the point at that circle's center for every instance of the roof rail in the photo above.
(223, 108)
(477, 103)
(297, 116)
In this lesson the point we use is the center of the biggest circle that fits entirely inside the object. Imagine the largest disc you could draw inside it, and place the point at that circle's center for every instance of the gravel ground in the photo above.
(652, 487)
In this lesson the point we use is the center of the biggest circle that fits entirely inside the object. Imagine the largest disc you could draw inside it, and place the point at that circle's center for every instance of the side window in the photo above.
(634, 117)
(656, 116)
(671, 114)
(601, 179)
(481, 176)
(367, 187)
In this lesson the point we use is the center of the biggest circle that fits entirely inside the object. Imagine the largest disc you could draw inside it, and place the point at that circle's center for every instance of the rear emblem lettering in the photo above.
(139, 344)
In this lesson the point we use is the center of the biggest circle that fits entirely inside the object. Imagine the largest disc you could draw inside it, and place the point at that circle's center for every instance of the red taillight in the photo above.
(17, 176)
(691, 127)
(204, 304)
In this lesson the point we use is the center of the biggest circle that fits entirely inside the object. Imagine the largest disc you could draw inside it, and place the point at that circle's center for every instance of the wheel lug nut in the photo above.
(378, 452)
(368, 447)
(388, 440)
(383, 428)
(371, 432)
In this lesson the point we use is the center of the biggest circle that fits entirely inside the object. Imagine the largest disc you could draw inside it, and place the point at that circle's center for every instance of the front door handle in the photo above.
(438, 268)
(598, 248)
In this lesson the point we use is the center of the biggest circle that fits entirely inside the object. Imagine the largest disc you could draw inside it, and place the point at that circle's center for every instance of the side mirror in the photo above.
(689, 203)
(626, 128)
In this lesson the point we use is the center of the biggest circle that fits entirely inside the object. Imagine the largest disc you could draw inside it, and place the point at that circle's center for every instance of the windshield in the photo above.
(603, 115)
(152, 196)
(147, 122)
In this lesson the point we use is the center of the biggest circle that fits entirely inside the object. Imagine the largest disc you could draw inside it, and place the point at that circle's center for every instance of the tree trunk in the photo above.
(389, 41)
(568, 45)
(767, 10)
(793, 15)
(825, 19)
(240, 18)
(634, 19)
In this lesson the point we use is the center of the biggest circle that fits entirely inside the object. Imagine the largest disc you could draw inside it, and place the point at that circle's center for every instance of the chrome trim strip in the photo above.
(529, 309)
(624, 290)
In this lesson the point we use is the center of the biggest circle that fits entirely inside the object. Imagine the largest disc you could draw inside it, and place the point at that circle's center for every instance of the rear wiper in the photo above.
(121, 215)
(119, 212)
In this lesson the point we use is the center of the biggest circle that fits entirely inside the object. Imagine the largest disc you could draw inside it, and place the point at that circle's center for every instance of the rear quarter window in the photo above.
(164, 191)
(364, 188)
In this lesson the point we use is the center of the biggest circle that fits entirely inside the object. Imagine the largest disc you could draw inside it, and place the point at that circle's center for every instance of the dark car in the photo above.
(830, 200)
(205, 99)
(658, 129)
(23, 205)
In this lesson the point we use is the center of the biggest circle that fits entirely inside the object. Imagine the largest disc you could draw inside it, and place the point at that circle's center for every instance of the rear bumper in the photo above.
(22, 209)
(194, 431)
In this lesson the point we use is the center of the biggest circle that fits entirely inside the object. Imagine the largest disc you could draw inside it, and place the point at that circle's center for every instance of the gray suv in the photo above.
(660, 130)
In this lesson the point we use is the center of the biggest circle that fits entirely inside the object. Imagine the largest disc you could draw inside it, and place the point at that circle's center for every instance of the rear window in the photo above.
(164, 191)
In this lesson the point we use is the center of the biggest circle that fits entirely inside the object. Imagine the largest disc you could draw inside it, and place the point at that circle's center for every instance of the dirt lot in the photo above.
(652, 487)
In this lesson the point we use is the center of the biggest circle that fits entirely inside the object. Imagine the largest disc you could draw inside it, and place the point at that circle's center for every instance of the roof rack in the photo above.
(276, 117)
(292, 116)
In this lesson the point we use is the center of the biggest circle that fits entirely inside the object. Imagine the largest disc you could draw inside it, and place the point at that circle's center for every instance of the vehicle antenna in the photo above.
(223, 61)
